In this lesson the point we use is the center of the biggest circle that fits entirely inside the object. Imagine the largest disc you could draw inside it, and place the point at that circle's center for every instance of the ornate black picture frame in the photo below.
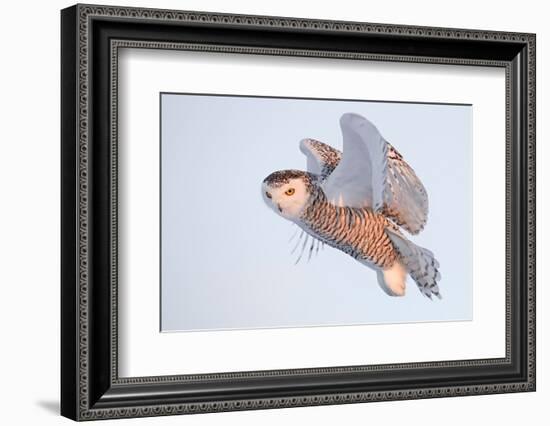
(90, 385)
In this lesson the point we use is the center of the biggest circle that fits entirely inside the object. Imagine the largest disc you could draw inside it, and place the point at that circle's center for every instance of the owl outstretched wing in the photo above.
(359, 179)
(322, 159)
(370, 173)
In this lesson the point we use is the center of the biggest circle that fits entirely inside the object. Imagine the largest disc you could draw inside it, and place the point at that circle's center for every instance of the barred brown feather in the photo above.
(358, 232)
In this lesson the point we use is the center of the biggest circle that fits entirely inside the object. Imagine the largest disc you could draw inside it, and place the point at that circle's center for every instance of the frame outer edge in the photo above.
(531, 205)
(68, 181)
(84, 193)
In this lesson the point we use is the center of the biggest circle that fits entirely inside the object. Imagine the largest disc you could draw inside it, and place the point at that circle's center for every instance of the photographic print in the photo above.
(299, 212)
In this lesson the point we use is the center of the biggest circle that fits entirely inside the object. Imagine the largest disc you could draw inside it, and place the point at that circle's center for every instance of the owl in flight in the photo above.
(357, 202)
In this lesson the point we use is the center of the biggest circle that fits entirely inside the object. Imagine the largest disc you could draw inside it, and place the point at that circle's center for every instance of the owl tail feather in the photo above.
(419, 262)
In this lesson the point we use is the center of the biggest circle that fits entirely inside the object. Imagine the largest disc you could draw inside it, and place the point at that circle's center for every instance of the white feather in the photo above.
(360, 177)
(393, 279)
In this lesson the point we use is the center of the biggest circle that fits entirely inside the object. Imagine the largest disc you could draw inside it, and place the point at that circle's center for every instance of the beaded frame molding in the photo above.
(91, 38)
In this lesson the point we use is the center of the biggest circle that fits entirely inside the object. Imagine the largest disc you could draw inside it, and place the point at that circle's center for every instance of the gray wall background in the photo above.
(226, 261)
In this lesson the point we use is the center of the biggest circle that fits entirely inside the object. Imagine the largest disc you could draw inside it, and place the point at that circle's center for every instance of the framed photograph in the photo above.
(263, 212)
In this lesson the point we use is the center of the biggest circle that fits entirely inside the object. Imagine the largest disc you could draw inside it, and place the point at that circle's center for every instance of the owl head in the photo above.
(287, 192)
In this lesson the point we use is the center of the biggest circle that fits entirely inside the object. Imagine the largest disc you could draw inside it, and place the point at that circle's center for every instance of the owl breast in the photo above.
(358, 232)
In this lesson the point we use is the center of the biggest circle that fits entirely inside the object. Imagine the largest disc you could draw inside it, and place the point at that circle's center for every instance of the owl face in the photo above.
(287, 192)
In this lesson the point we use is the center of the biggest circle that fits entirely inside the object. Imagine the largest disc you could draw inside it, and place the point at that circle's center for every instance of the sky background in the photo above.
(225, 256)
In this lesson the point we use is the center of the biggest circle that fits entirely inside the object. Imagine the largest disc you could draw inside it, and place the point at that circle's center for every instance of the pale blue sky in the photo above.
(226, 259)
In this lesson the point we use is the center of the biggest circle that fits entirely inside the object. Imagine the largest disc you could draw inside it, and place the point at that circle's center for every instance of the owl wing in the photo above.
(360, 177)
(405, 198)
(322, 159)
(372, 173)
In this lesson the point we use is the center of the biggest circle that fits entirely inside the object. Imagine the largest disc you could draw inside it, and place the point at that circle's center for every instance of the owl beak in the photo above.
(280, 208)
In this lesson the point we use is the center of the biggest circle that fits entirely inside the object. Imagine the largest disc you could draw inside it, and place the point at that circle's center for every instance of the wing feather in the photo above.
(359, 179)
(322, 159)
(405, 198)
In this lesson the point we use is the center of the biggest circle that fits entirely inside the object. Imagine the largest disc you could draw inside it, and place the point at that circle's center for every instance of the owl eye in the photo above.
(268, 195)
(290, 191)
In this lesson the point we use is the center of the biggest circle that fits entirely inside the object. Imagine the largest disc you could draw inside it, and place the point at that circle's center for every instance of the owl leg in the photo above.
(393, 279)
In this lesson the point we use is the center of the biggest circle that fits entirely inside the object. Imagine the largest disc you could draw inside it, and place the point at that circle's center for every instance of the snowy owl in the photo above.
(356, 202)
